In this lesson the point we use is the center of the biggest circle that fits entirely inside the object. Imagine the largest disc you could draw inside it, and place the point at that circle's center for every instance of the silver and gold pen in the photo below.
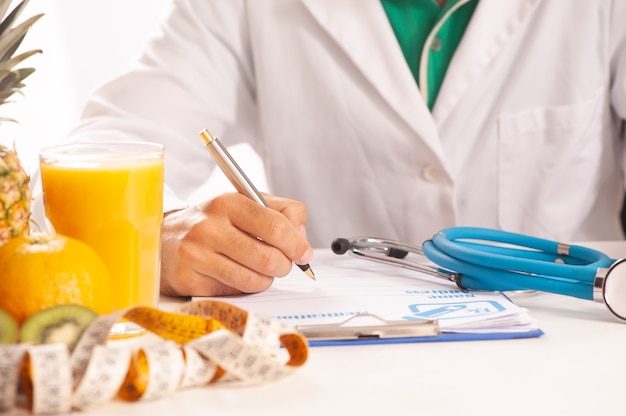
(239, 179)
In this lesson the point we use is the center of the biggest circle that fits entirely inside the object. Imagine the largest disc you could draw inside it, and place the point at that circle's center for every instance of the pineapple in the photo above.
(14, 192)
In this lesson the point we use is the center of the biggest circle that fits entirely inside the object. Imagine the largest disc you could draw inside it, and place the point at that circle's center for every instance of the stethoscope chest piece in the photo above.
(610, 288)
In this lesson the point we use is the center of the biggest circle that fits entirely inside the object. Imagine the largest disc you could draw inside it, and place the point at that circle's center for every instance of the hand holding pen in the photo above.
(239, 179)
(230, 244)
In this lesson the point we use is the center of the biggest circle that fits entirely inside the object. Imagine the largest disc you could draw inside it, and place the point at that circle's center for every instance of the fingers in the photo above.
(281, 227)
(296, 213)
(231, 245)
(212, 274)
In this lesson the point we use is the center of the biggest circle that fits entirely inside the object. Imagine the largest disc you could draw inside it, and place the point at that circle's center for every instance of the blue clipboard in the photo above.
(350, 332)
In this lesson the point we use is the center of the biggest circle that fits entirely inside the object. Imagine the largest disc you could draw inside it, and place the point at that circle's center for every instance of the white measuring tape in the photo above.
(204, 342)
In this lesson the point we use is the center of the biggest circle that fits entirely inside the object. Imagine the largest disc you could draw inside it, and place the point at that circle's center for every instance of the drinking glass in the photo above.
(110, 196)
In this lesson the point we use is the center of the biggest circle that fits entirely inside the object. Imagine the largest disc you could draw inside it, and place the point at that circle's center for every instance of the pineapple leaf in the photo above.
(10, 41)
(8, 22)
(10, 63)
(13, 79)
(4, 95)
(22, 73)
(10, 83)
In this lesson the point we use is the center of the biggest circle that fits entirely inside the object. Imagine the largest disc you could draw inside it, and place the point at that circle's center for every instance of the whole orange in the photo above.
(42, 270)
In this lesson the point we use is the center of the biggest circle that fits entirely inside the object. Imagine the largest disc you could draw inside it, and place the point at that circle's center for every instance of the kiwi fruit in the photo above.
(57, 324)
(8, 328)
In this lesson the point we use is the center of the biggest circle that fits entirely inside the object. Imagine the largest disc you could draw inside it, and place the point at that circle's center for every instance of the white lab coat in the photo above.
(524, 135)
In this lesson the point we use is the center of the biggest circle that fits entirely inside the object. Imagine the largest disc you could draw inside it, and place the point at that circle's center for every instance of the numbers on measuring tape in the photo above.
(10, 359)
(201, 343)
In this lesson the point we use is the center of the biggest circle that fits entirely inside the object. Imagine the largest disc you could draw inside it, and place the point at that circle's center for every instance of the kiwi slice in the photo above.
(8, 328)
(57, 324)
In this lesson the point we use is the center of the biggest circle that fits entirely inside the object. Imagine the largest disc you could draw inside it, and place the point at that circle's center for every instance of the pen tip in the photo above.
(307, 270)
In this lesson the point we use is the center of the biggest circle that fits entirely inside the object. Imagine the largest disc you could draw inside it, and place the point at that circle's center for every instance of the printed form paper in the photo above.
(347, 286)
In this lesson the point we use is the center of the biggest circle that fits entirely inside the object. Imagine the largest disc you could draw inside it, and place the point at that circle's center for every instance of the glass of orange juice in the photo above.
(110, 196)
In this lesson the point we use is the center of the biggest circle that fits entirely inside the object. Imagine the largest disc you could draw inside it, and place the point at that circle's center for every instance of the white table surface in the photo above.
(576, 368)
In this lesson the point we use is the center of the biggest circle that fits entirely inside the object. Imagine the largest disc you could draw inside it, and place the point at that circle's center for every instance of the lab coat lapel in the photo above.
(493, 24)
(355, 25)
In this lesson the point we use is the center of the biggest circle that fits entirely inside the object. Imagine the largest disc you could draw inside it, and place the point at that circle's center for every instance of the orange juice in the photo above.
(115, 206)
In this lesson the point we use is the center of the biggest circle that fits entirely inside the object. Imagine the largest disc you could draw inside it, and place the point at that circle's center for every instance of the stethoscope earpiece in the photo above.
(340, 245)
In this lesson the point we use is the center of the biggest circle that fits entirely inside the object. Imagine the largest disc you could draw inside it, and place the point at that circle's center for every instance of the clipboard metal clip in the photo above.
(376, 328)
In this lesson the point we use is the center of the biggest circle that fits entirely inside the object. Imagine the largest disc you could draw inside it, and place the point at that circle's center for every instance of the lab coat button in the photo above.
(435, 46)
(431, 173)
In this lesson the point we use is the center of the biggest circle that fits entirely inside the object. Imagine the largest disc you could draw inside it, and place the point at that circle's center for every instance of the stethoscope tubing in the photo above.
(541, 264)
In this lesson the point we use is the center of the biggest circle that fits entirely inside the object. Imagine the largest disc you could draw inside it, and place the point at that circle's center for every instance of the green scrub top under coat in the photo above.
(413, 21)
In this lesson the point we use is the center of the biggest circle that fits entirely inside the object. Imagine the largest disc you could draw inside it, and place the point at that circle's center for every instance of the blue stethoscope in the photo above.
(487, 259)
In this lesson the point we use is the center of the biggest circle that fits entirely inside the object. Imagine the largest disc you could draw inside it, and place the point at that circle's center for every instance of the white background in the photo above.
(84, 43)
